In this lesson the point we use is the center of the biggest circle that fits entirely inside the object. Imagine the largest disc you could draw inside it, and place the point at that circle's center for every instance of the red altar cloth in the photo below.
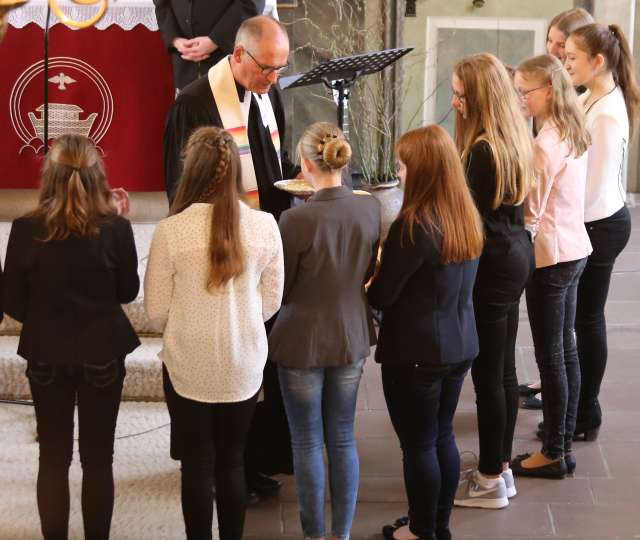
(114, 85)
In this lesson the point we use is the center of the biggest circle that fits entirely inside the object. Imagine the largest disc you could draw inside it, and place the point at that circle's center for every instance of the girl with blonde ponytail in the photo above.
(323, 332)
(599, 58)
(555, 217)
(215, 275)
(70, 265)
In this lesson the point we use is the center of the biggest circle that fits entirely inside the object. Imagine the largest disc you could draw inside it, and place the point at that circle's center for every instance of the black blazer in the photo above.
(330, 245)
(427, 307)
(217, 19)
(68, 293)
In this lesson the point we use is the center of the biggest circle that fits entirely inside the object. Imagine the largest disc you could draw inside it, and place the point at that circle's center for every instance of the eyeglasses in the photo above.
(525, 95)
(268, 70)
(459, 97)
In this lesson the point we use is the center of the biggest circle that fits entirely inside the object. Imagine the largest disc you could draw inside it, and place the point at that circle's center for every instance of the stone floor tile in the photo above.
(380, 456)
(598, 521)
(621, 489)
(621, 458)
(518, 519)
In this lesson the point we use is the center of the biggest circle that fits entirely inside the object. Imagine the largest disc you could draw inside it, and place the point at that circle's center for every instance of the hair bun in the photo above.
(336, 153)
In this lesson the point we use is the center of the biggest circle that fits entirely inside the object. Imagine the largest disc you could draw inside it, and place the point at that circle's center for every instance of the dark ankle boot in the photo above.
(570, 461)
(443, 534)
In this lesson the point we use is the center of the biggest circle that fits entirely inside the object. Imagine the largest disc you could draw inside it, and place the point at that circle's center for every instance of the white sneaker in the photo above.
(509, 483)
(472, 494)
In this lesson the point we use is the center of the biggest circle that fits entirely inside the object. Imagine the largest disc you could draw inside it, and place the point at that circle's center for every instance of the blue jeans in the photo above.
(321, 407)
(422, 401)
(551, 304)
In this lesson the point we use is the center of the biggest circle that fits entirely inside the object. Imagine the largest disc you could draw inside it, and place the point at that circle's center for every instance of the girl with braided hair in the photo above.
(215, 275)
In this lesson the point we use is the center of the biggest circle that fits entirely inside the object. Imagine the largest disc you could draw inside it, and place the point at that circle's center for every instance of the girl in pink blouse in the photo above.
(555, 216)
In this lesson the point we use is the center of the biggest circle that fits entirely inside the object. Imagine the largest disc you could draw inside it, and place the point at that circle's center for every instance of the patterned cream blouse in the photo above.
(215, 344)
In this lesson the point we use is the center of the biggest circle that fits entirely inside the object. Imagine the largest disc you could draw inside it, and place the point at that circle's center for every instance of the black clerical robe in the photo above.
(195, 107)
(217, 19)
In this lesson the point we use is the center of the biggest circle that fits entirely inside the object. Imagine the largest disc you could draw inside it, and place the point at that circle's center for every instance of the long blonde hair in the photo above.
(212, 175)
(493, 114)
(565, 112)
(74, 194)
(436, 194)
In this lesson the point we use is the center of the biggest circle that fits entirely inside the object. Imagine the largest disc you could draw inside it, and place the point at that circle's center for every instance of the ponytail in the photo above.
(624, 74)
(611, 43)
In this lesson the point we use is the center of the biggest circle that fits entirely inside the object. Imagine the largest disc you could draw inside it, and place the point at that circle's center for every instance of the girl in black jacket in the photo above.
(428, 336)
(70, 265)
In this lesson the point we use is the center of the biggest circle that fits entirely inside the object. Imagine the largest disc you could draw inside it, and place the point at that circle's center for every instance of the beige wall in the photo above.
(415, 35)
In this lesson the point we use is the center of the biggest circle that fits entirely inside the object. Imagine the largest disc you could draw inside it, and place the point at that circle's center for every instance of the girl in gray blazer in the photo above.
(324, 332)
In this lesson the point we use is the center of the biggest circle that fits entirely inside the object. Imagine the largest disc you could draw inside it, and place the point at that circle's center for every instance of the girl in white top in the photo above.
(599, 58)
(554, 213)
(215, 275)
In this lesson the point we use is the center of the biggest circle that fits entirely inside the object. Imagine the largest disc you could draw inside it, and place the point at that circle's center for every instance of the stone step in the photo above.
(142, 383)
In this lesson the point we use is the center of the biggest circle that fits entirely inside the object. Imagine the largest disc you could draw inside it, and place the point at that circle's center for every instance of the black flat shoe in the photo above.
(388, 530)
(570, 461)
(524, 390)
(555, 470)
(264, 485)
(532, 403)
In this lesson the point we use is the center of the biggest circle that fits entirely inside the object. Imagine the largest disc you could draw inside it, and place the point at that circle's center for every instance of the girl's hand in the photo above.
(121, 200)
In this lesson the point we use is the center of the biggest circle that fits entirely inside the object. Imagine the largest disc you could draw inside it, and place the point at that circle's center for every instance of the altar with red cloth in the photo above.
(111, 82)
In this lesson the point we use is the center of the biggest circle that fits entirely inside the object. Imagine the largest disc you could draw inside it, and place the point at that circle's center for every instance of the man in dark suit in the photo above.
(198, 33)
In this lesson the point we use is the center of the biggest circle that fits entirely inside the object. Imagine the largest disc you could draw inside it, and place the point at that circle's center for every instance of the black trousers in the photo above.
(97, 391)
(608, 237)
(502, 276)
(211, 438)
(422, 402)
(269, 442)
(551, 304)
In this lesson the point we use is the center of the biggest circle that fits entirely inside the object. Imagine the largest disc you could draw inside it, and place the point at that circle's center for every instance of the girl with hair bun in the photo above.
(599, 58)
(214, 277)
(324, 330)
(70, 265)
(554, 213)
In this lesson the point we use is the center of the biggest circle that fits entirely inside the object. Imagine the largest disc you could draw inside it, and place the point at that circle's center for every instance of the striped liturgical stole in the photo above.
(235, 115)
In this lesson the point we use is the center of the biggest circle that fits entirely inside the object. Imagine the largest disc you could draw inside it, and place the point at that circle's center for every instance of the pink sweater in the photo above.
(554, 209)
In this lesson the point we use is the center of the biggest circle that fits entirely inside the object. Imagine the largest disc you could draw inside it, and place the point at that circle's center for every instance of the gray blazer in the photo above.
(330, 247)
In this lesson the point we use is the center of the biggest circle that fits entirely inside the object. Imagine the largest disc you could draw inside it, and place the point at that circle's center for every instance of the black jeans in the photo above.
(551, 304)
(497, 292)
(212, 439)
(97, 391)
(608, 237)
(422, 401)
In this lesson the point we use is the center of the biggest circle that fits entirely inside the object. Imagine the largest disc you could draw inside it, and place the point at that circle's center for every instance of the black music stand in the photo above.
(340, 74)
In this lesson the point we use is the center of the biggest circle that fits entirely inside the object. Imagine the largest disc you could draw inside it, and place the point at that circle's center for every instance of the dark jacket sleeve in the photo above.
(127, 279)
(291, 247)
(224, 31)
(400, 260)
(481, 175)
(186, 114)
(16, 283)
(167, 24)
(289, 169)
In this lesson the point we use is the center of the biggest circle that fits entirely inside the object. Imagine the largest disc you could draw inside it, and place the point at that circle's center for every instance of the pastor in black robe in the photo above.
(195, 107)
